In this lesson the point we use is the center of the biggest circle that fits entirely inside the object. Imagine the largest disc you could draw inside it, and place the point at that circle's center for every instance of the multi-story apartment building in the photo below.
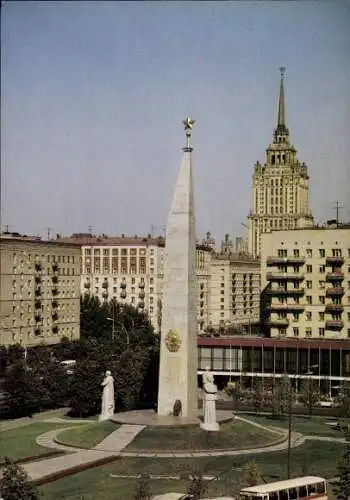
(40, 290)
(234, 291)
(280, 193)
(306, 282)
(131, 271)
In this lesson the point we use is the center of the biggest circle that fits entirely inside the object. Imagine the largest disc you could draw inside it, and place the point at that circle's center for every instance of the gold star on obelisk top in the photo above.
(188, 123)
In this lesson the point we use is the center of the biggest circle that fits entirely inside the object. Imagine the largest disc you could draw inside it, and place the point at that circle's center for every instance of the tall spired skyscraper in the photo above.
(280, 185)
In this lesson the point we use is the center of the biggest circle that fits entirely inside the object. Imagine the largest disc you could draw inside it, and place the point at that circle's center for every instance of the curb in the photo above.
(34, 458)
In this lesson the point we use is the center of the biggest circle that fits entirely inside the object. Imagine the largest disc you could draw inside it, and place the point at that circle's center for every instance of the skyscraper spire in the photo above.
(281, 117)
(281, 132)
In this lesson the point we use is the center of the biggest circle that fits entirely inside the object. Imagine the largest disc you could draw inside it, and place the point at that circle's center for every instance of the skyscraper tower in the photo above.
(280, 185)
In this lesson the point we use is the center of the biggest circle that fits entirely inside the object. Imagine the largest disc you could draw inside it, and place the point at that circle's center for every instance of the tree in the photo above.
(14, 483)
(309, 394)
(22, 390)
(258, 396)
(343, 403)
(93, 317)
(280, 396)
(142, 489)
(342, 487)
(234, 390)
(252, 475)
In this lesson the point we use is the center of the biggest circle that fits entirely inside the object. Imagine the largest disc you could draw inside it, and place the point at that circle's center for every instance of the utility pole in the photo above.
(48, 233)
(337, 207)
(289, 463)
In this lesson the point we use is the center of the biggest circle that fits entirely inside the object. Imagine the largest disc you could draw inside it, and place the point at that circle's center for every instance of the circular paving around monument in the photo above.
(152, 419)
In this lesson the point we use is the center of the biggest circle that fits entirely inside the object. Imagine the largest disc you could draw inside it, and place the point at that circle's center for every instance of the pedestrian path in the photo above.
(120, 438)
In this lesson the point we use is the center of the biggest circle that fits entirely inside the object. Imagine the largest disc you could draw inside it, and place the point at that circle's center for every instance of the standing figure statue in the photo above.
(209, 397)
(107, 408)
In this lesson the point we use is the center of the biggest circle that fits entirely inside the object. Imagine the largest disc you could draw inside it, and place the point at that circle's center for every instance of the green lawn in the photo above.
(96, 484)
(315, 426)
(234, 434)
(87, 435)
(20, 442)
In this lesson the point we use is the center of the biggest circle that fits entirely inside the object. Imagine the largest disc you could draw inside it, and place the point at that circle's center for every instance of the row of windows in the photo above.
(335, 252)
(115, 270)
(69, 259)
(117, 251)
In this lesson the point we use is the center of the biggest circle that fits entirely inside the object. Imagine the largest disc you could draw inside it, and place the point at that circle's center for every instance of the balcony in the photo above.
(38, 267)
(142, 294)
(105, 284)
(37, 304)
(334, 324)
(123, 285)
(55, 267)
(335, 276)
(281, 276)
(335, 291)
(334, 308)
(54, 316)
(87, 284)
(141, 285)
(37, 318)
(141, 305)
(55, 291)
(105, 295)
(37, 280)
(37, 332)
(278, 322)
(293, 292)
(38, 292)
(54, 303)
(55, 329)
(291, 261)
(335, 260)
(287, 307)
(123, 294)
(54, 279)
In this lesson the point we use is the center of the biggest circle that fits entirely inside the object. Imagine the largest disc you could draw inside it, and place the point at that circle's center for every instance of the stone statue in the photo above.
(209, 397)
(107, 408)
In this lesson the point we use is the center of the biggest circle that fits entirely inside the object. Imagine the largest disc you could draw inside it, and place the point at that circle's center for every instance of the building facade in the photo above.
(130, 270)
(306, 282)
(234, 291)
(280, 193)
(40, 290)
(245, 360)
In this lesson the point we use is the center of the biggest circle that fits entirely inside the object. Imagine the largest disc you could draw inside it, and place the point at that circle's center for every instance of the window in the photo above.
(293, 494)
(308, 315)
(302, 491)
(308, 299)
(321, 316)
(321, 252)
(309, 284)
(296, 332)
(309, 268)
(320, 488)
(308, 252)
(308, 332)
(283, 494)
(321, 284)
(296, 253)
(321, 332)
(311, 489)
(321, 299)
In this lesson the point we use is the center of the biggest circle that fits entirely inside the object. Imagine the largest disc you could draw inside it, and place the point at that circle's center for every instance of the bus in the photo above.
(308, 487)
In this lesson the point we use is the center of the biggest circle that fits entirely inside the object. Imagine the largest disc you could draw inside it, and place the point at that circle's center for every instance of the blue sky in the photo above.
(93, 96)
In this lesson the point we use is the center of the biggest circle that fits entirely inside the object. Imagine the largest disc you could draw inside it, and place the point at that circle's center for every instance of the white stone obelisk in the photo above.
(178, 350)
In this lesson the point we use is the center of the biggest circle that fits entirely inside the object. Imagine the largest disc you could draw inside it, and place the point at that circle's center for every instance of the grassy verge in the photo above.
(87, 435)
(21, 442)
(96, 484)
(314, 426)
(235, 434)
